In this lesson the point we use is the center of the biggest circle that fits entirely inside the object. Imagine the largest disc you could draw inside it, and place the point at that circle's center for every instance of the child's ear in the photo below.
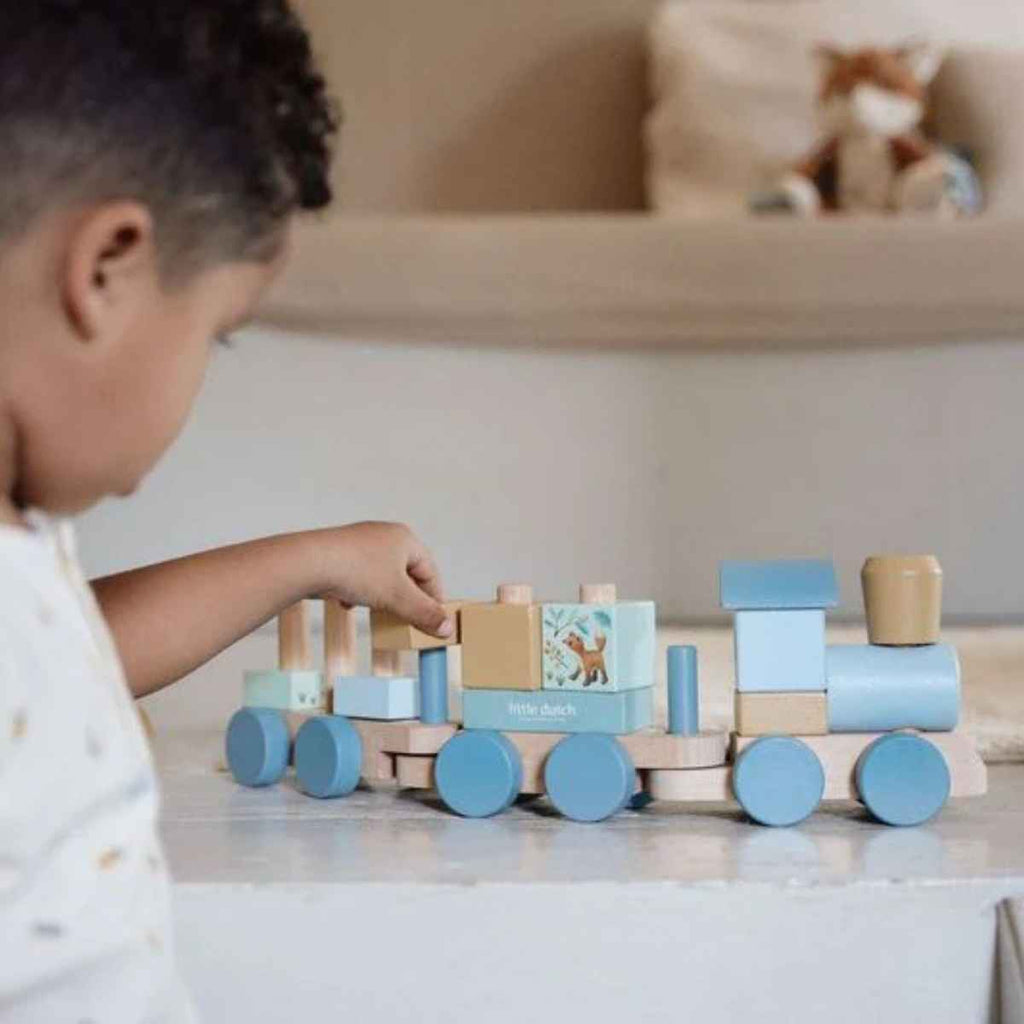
(110, 268)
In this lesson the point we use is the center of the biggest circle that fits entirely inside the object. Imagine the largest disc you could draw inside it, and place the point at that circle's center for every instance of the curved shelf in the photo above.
(632, 280)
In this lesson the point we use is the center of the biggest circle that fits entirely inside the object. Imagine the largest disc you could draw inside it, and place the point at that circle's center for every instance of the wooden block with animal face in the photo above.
(601, 648)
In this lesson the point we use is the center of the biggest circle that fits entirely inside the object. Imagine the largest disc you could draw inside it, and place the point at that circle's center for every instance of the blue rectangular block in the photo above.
(778, 651)
(602, 648)
(877, 689)
(381, 697)
(568, 711)
(785, 583)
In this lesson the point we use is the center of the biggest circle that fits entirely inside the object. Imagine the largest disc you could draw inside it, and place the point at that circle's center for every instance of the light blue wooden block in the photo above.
(256, 746)
(434, 686)
(902, 779)
(878, 689)
(606, 648)
(478, 773)
(284, 690)
(778, 780)
(784, 583)
(546, 711)
(380, 697)
(589, 777)
(683, 691)
(328, 756)
(778, 651)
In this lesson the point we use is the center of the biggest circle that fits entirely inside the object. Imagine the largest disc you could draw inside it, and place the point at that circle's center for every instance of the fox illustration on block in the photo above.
(874, 156)
(591, 661)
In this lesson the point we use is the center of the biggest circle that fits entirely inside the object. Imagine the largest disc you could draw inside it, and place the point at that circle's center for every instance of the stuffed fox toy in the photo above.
(873, 156)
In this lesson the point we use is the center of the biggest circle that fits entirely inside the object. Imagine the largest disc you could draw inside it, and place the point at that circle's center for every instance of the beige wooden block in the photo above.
(377, 766)
(385, 663)
(761, 714)
(838, 753)
(293, 638)
(902, 599)
(501, 646)
(515, 593)
(656, 749)
(380, 767)
(695, 785)
(404, 737)
(649, 748)
(597, 593)
(340, 654)
(390, 633)
(414, 771)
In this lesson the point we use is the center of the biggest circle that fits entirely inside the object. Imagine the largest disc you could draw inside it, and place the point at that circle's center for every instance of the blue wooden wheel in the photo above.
(328, 756)
(256, 746)
(778, 780)
(478, 773)
(589, 776)
(902, 779)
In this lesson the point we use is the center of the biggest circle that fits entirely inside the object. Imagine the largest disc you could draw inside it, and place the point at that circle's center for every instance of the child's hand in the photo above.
(383, 566)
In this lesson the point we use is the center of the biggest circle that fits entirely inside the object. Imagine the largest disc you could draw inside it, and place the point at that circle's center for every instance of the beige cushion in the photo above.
(976, 100)
(533, 105)
(734, 85)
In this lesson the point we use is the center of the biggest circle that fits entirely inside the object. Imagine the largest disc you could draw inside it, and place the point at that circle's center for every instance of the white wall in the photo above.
(644, 468)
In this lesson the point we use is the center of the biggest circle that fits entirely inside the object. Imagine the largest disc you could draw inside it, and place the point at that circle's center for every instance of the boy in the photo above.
(151, 157)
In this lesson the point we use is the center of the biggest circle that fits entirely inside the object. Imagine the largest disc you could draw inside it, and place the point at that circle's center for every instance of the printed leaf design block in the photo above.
(600, 648)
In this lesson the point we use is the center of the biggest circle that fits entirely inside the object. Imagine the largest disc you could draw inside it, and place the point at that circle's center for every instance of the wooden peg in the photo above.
(902, 599)
(597, 593)
(386, 663)
(339, 639)
(293, 647)
(515, 593)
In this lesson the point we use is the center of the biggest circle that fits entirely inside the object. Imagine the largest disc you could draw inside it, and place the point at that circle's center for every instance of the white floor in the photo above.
(383, 906)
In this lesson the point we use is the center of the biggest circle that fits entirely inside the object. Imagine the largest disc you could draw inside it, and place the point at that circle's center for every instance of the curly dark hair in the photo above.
(211, 112)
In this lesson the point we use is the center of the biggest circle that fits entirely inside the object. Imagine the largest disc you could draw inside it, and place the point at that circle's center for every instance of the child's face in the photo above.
(134, 407)
(95, 415)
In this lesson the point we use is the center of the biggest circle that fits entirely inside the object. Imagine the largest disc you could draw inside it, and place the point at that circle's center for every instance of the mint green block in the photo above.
(602, 648)
(285, 691)
(569, 711)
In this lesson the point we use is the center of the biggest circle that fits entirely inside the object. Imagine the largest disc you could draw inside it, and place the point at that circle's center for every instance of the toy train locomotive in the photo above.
(558, 700)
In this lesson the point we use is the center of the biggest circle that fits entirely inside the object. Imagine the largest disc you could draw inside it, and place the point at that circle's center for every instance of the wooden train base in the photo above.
(873, 723)
(902, 777)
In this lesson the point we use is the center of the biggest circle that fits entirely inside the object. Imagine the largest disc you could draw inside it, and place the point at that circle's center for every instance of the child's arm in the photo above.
(167, 619)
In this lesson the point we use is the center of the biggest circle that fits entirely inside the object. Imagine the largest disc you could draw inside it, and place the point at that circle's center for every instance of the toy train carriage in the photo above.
(558, 700)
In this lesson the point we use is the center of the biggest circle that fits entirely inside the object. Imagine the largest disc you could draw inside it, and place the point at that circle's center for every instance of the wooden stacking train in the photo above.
(558, 700)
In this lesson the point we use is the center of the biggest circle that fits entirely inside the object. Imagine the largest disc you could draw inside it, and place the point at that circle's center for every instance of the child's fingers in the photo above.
(422, 611)
(424, 572)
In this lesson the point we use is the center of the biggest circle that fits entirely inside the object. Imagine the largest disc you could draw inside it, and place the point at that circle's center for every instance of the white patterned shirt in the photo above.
(85, 914)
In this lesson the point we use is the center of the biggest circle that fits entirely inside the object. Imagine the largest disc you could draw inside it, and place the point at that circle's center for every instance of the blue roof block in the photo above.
(786, 583)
